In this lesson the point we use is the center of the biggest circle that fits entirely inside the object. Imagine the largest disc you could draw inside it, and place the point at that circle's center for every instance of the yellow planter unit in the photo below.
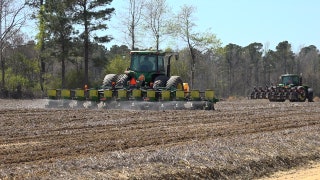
(79, 94)
(122, 94)
(209, 95)
(66, 93)
(151, 95)
(136, 94)
(165, 95)
(52, 93)
(195, 95)
(179, 95)
(107, 94)
(93, 95)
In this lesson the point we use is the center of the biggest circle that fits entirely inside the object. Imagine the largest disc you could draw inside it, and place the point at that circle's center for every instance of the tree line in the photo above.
(69, 50)
(234, 70)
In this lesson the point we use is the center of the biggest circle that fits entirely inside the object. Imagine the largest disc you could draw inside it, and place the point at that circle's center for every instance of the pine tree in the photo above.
(92, 15)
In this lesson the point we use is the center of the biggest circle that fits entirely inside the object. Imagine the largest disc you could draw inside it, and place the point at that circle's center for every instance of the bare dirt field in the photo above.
(310, 172)
(244, 139)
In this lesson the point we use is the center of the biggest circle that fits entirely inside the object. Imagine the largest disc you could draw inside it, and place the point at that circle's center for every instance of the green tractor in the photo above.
(290, 87)
(148, 70)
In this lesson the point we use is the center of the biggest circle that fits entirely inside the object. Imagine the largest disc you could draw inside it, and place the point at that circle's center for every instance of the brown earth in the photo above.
(246, 139)
(310, 172)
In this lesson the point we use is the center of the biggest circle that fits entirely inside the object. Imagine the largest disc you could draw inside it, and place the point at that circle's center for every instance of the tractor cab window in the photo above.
(287, 80)
(147, 63)
(160, 63)
(134, 63)
(142, 63)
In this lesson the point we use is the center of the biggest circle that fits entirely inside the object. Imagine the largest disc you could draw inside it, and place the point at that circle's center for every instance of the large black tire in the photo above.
(293, 96)
(108, 79)
(122, 80)
(175, 83)
(271, 97)
(310, 95)
(160, 82)
(302, 95)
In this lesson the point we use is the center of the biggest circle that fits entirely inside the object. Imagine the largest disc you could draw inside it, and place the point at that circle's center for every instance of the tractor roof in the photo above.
(148, 52)
(285, 75)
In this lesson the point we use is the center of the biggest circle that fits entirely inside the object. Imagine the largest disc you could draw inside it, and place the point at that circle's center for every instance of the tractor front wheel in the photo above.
(160, 82)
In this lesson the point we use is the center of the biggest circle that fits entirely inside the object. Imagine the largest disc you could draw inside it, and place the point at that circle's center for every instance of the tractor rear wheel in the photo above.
(302, 94)
(175, 82)
(122, 80)
(310, 95)
(108, 79)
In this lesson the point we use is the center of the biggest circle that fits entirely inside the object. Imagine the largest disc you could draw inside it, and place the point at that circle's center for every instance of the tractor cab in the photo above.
(291, 80)
(148, 61)
(149, 66)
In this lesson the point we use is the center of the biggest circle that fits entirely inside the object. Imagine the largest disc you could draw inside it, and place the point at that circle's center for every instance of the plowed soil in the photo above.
(245, 139)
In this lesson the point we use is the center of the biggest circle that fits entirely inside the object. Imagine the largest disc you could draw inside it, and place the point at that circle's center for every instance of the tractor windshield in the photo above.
(287, 80)
(147, 63)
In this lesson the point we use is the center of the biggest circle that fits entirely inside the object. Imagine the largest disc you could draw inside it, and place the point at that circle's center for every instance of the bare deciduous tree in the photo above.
(11, 20)
(183, 27)
(155, 19)
(131, 22)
